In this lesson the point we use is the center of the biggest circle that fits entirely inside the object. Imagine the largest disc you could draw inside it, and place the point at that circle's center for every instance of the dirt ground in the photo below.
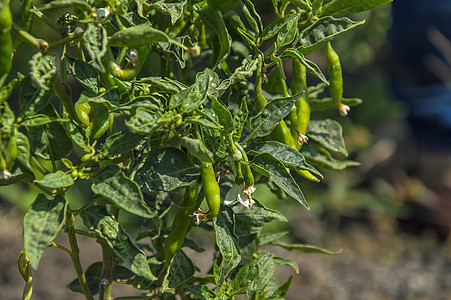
(378, 261)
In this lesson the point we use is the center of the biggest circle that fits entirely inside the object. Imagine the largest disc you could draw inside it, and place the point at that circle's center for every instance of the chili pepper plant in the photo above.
(161, 106)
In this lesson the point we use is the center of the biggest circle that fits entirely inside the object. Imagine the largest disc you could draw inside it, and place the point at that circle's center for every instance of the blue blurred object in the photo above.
(428, 98)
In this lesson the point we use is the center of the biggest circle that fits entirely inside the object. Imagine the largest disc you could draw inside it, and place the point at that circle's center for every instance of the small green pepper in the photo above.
(175, 239)
(211, 189)
(94, 116)
(300, 115)
(5, 37)
(259, 98)
(12, 148)
(335, 79)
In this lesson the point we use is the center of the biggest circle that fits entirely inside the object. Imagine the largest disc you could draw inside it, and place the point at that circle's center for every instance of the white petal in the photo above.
(233, 193)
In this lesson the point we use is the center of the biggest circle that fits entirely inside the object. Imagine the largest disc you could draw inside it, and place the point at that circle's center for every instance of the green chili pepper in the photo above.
(335, 79)
(12, 148)
(181, 222)
(283, 134)
(259, 98)
(5, 37)
(211, 189)
(300, 114)
(94, 116)
(3, 162)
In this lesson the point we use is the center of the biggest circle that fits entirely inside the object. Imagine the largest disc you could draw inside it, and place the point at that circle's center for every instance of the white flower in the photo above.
(343, 109)
(241, 193)
(5, 174)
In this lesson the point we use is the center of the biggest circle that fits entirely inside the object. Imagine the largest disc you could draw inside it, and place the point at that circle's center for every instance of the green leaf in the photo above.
(214, 142)
(259, 284)
(287, 33)
(56, 180)
(328, 133)
(98, 220)
(31, 99)
(42, 71)
(272, 29)
(247, 275)
(322, 31)
(267, 238)
(6, 91)
(271, 167)
(253, 18)
(305, 248)
(214, 20)
(201, 292)
(322, 159)
(268, 118)
(144, 122)
(223, 114)
(7, 118)
(282, 290)
(328, 103)
(41, 119)
(335, 7)
(121, 142)
(310, 65)
(85, 74)
(220, 4)
(226, 240)
(95, 41)
(112, 184)
(240, 119)
(80, 4)
(50, 141)
(174, 9)
(286, 262)
(290, 157)
(253, 219)
(165, 169)
(140, 35)
(176, 50)
(247, 68)
(180, 270)
(163, 85)
(192, 97)
(42, 222)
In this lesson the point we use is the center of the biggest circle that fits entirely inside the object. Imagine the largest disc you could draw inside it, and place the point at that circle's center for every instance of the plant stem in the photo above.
(107, 271)
(75, 255)
(107, 265)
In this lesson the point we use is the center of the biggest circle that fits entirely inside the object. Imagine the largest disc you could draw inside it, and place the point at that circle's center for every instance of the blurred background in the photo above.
(390, 216)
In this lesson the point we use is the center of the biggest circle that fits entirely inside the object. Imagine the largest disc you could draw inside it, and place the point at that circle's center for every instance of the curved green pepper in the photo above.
(335, 79)
(181, 222)
(300, 114)
(94, 116)
(211, 190)
(5, 37)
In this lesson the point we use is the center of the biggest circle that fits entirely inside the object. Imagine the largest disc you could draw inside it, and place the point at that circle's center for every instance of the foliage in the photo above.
(180, 101)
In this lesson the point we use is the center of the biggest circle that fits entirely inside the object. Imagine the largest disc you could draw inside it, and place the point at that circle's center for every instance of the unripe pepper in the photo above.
(259, 98)
(211, 189)
(95, 116)
(12, 148)
(335, 79)
(175, 239)
(5, 37)
(300, 115)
